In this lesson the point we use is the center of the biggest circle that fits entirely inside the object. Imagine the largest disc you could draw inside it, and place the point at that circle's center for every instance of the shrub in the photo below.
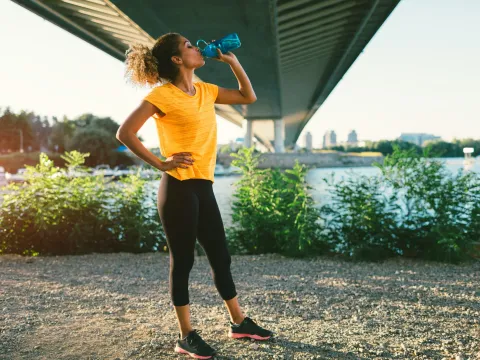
(273, 211)
(414, 208)
(54, 213)
(359, 220)
(438, 216)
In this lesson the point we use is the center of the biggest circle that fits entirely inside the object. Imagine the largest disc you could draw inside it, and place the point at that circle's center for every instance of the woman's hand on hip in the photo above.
(182, 160)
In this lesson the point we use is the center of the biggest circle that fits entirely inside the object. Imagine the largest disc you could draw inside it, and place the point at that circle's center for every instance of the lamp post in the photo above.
(21, 140)
(468, 151)
(468, 161)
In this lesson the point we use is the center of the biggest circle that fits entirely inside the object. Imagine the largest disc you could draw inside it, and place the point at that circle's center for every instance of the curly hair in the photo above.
(145, 66)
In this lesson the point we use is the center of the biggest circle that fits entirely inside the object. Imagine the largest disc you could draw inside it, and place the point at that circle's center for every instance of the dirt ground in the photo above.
(117, 306)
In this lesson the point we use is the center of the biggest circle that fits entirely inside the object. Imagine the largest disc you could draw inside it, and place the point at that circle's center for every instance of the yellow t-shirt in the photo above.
(189, 125)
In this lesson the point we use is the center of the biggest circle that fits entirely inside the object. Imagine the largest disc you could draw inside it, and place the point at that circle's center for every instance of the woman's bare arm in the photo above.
(245, 93)
(127, 134)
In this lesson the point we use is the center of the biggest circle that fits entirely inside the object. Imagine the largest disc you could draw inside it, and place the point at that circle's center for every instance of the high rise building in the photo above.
(309, 141)
(417, 138)
(329, 139)
(352, 138)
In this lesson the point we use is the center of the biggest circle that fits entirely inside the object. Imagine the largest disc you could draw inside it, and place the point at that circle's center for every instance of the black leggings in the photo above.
(188, 210)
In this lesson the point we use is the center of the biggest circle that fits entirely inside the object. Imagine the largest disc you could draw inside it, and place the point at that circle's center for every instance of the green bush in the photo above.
(414, 208)
(54, 213)
(273, 211)
(438, 217)
(14, 161)
(359, 221)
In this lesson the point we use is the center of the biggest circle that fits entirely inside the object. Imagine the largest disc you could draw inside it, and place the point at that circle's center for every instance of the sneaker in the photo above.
(194, 346)
(248, 328)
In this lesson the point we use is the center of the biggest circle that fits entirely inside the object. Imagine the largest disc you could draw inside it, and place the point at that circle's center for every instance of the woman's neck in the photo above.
(184, 82)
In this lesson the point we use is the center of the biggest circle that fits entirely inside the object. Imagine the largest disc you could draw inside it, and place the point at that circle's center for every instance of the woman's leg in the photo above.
(183, 319)
(178, 210)
(233, 307)
(211, 235)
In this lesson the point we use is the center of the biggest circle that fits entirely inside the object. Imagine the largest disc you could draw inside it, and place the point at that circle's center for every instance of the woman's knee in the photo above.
(182, 265)
(221, 263)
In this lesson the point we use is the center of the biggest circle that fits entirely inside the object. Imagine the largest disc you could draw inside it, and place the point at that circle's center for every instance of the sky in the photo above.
(419, 73)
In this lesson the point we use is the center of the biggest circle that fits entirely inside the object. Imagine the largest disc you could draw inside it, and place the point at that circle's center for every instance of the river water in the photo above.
(224, 186)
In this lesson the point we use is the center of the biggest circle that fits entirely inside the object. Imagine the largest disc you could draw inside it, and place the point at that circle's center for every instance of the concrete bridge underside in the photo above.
(294, 51)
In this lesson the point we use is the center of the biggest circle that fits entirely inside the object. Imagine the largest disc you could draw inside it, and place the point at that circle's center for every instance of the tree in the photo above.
(41, 131)
(337, 148)
(386, 146)
(96, 141)
(475, 144)
(444, 149)
(16, 130)
(60, 134)
(106, 123)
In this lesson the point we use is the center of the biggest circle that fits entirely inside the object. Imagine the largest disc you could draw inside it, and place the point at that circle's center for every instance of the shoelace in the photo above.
(253, 321)
(195, 337)
(261, 328)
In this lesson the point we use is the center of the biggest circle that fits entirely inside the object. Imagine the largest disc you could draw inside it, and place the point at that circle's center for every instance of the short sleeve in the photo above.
(212, 90)
(154, 97)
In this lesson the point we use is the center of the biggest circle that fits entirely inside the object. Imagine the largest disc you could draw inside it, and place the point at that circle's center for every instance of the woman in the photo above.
(184, 113)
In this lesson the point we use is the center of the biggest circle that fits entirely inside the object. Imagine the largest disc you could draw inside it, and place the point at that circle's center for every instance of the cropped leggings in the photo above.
(188, 210)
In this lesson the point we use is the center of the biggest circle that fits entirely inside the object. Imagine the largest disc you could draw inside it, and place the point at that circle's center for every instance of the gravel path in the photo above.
(117, 306)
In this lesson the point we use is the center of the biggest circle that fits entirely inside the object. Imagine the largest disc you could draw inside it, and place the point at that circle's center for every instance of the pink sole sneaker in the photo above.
(256, 337)
(181, 351)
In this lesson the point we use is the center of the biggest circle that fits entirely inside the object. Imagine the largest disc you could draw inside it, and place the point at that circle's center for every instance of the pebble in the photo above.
(320, 305)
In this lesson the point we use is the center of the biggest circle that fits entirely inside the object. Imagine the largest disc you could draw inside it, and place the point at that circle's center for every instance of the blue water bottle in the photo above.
(225, 44)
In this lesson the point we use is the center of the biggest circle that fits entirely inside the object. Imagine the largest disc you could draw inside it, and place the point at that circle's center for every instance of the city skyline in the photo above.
(330, 138)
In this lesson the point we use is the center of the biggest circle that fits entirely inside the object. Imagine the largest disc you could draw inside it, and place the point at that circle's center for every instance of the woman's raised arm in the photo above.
(245, 93)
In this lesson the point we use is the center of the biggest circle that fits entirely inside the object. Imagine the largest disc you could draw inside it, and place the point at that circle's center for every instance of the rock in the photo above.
(129, 353)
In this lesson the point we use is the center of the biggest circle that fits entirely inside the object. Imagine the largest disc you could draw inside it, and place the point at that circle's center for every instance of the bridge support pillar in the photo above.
(279, 135)
(248, 137)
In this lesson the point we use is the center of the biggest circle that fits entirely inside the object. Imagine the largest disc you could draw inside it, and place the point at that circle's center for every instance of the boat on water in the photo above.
(232, 169)
(219, 170)
(104, 170)
(18, 177)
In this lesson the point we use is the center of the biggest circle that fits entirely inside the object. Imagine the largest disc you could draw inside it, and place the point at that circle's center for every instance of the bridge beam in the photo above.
(279, 132)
